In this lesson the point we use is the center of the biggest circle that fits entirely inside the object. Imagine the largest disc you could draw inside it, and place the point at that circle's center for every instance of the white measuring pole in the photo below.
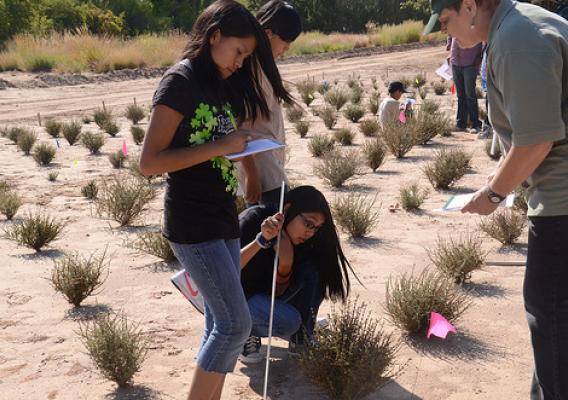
(273, 295)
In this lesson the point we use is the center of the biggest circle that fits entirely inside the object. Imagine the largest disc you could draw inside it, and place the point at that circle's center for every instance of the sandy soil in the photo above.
(41, 356)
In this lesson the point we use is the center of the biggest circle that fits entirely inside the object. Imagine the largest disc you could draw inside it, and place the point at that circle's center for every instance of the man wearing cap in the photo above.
(527, 79)
(389, 111)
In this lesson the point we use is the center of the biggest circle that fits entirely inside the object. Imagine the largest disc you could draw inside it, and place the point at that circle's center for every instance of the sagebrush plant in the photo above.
(43, 154)
(497, 153)
(352, 356)
(35, 230)
(77, 277)
(520, 203)
(101, 116)
(352, 80)
(355, 214)
(302, 128)
(117, 159)
(123, 199)
(440, 88)
(423, 92)
(369, 127)
(156, 244)
(53, 128)
(430, 125)
(14, 133)
(52, 176)
(399, 138)
(505, 226)
(90, 190)
(354, 112)
(337, 97)
(336, 167)
(86, 119)
(412, 196)
(26, 141)
(411, 298)
(307, 89)
(458, 257)
(135, 113)
(294, 113)
(356, 94)
(111, 127)
(373, 105)
(430, 106)
(419, 81)
(10, 203)
(448, 167)
(117, 347)
(344, 136)
(71, 131)
(138, 134)
(93, 141)
(328, 116)
(375, 152)
(320, 144)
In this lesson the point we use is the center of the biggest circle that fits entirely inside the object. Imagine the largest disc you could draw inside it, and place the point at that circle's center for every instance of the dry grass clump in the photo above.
(43, 154)
(344, 136)
(111, 127)
(90, 190)
(102, 116)
(77, 277)
(117, 347)
(302, 128)
(328, 116)
(356, 94)
(71, 131)
(155, 244)
(410, 299)
(35, 231)
(307, 90)
(440, 88)
(423, 92)
(353, 355)
(369, 127)
(10, 202)
(375, 152)
(124, 199)
(93, 141)
(355, 215)
(399, 138)
(336, 167)
(294, 114)
(458, 258)
(430, 125)
(373, 105)
(430, 106)
(505, 226)
(448, 167)
(337, 97)
(419, 81)
(117, 159)
(135, 113)
(26, 141)
(137, 134)
(411, 196)
(320, 144)
(52, 176)
(354, 112)
(53, 128)
(13, 133)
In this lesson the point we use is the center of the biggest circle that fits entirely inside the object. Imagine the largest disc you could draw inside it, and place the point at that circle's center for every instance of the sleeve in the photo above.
(174, 91)
(531, 86)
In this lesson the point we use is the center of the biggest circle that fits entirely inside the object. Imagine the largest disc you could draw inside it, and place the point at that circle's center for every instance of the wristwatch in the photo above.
(262, 242)
(493, 197)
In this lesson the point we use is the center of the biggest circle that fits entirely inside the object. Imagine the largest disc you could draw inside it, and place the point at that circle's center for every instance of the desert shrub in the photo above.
(77, 277)
(430, 106)
(124, 199)
(10, 202)
(307, 89)
(356, 94)
(86, 120)
(440, 88)
(448, 167)
(497, 154)
(406, 81)
(328, 116)
(52, 176)
(116, 346)
(35, 231)
(412, 196)
(43, 154)
(294, 113)
(428, 126)
(353, 112)
(26, 141)
(323, 87)
(15, 132)
(101, 116)
(399, 138)
(5, 186)
(353, 355)
(354, 214)
(302, 128)
(93, 141)
(135, 113)
(155, 244)
(423, 92)
(352, 80)
(373, 105)
(336, 97)
(410, 300)
(137, 134)
(369, 127)
(117, 159)
(520, 203)
(111, 127)
(90, 190)
(71, 131)
(53, 128)
(505, 226)
(335, 168)
(344, 136)
(374, 152)
(458, 258)
(419, 81)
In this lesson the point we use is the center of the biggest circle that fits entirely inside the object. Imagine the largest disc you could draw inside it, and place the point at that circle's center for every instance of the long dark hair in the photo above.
(243, 87)
(332, 264)
(281, 18)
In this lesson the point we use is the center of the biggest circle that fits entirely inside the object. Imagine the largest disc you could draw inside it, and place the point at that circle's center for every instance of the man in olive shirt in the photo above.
(527, 68)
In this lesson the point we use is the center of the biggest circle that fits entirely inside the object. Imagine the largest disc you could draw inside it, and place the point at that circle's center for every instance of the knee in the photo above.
(292, 323)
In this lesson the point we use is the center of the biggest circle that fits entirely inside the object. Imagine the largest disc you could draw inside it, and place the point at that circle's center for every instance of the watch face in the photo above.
(495, 199)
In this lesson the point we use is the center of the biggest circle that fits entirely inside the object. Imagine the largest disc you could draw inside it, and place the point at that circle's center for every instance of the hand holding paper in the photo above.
(256, 146)
(458, 202)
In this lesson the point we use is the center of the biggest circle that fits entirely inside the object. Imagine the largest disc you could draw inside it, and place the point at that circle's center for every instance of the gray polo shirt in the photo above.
(527, 76)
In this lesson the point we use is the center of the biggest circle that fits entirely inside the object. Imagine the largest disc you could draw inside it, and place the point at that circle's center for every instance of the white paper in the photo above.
(457, 202)
(445, 71)
(256, 146)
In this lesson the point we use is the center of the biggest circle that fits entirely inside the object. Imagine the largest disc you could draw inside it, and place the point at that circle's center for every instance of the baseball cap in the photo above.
(396, 85)
(437, 6)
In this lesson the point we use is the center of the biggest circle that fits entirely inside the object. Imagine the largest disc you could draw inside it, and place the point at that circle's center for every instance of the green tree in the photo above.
(15, 17)
(101, 22)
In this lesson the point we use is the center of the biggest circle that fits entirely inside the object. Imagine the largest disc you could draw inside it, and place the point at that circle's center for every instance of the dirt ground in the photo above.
(41, 356)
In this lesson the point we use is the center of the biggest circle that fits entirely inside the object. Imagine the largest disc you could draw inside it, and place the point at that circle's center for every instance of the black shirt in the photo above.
(199, 201)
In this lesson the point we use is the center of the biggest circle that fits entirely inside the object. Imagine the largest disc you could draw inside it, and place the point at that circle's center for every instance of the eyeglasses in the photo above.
(309, 224)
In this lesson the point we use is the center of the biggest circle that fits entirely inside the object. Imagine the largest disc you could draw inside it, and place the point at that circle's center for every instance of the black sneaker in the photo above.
(251, 352)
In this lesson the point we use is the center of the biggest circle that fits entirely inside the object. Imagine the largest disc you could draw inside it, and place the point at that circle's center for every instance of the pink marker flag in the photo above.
(439, 326)
(402, 117)
(124, 149)
(453, 88)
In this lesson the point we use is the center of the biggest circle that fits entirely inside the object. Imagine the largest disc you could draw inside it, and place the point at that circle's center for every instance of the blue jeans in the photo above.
(295, 311)
(464, 79)
(214, 266)
(546, 304)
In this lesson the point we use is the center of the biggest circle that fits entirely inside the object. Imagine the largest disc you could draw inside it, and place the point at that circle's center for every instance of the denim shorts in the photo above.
(214, 266)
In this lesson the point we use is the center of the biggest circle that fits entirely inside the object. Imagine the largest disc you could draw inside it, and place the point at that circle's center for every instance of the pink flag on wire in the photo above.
(453, 88)
(439, 326)
(402, 117)
(124, 149)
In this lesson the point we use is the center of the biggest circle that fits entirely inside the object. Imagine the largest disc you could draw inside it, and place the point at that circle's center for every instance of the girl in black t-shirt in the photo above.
(311, 266)
(197, 107)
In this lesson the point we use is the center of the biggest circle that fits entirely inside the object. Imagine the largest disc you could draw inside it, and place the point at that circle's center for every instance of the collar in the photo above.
(503, 9)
